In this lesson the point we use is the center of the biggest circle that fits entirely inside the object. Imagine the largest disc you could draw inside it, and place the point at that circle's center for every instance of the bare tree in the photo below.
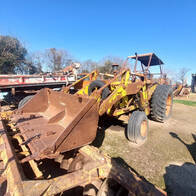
(56, 59)
(181, 75)
(112, 59)
(169, 74)
(88, 66)
(105, 65)
(48, 60)
(35, 61)
(38, 60)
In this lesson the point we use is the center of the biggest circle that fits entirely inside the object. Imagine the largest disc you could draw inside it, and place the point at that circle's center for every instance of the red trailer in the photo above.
(34, 82)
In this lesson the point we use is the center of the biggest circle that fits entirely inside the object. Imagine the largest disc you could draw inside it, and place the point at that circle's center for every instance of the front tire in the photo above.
(137, 129)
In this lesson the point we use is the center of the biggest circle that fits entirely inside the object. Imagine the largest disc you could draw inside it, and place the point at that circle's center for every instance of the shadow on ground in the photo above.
(181, 180)
(104, 123)
(190, 147)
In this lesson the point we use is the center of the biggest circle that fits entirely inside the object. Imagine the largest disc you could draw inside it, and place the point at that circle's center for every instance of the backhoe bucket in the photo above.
(53, 122)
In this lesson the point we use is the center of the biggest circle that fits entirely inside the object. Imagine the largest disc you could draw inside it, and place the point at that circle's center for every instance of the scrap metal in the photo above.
(96, 167)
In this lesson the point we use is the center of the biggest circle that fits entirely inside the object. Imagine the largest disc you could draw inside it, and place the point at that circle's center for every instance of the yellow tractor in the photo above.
(135, 94)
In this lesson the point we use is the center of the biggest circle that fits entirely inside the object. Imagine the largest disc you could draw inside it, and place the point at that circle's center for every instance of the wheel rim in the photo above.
(143, 130)
(168, 105)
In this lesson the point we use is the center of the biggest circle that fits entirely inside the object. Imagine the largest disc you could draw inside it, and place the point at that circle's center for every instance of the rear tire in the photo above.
(24, 101)
(137, 129)
(161, 103)
(97, 84)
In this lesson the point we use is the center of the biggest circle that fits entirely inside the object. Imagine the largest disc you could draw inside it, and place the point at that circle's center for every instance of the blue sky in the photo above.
(92, 29)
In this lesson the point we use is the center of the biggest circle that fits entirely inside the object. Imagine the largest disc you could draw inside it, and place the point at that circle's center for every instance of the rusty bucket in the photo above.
(53, 122)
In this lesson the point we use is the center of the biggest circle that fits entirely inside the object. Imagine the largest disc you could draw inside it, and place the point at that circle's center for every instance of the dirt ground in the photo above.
(169, 145)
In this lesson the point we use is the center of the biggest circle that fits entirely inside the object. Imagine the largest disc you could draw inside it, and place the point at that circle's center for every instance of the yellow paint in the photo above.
(127, 76)
(147, 111)
(6, 115)
(151, 90)
(124, 102)
(124, 110)
(120, 91)
(83, 91)
(145, 94)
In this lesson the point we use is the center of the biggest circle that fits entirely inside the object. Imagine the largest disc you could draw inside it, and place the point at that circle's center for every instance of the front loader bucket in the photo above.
(53, 122)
